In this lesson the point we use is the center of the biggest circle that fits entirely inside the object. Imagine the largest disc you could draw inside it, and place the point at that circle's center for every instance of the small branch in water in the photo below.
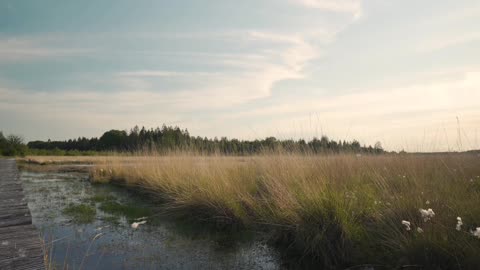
(364, 265)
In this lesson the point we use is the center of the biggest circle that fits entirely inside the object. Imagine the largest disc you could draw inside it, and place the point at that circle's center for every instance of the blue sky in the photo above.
(399, 72)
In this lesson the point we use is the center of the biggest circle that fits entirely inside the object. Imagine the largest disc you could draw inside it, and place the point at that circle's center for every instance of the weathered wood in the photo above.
(20, 243)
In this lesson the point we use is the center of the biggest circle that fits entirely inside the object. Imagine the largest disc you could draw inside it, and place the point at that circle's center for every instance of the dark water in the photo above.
(109, 242)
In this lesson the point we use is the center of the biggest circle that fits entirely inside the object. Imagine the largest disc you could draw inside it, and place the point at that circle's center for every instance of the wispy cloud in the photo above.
(244, 73)
(446, 41)
(136, 92)
(31, 48)
(353, 7)
(253, 77)
(457, 93)
(163, 73)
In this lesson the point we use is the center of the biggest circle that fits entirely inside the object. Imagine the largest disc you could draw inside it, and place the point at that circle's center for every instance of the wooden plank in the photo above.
(20, 243)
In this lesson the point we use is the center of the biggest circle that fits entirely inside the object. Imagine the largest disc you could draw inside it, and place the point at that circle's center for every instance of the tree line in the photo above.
(168, 138)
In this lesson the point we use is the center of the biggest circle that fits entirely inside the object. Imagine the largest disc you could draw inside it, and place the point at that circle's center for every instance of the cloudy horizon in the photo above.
(404, 73)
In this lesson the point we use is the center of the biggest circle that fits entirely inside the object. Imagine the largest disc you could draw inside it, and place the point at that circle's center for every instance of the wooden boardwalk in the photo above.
(20, 243)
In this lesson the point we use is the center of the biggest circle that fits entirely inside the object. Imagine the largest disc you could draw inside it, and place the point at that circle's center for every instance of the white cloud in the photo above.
(353, 7)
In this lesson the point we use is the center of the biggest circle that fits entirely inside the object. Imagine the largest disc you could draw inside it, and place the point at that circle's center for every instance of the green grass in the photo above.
(81, 213)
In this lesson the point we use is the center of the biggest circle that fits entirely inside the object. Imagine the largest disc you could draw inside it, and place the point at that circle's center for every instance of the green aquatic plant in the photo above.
(81, 213)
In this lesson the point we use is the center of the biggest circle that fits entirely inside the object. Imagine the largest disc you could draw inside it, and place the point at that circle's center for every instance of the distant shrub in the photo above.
(12, 145)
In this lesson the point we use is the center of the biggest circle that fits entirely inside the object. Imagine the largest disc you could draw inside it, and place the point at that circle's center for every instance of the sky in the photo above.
(402, 72)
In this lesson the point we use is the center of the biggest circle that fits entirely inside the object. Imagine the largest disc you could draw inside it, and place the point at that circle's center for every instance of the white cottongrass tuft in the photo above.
(427, 202)
(459, 224)
(136, 224)
(427, 214)
(476, 233)
(419, 230)
(406, 224)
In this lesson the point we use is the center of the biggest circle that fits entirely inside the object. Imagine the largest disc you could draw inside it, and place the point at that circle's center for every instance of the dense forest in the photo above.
(168, 138)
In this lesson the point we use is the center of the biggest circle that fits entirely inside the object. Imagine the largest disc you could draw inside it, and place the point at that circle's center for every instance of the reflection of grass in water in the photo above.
(81, 213)
(100, 198)
(225, 237)
(131, 212)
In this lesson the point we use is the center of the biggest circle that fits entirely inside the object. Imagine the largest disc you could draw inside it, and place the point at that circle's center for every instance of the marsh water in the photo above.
(89, 226)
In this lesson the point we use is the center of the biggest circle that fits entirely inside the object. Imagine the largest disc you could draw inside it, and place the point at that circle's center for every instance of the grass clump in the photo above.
(337, 210)
(81, 213)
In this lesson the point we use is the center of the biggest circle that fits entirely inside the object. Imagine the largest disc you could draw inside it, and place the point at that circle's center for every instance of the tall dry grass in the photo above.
(339, 210)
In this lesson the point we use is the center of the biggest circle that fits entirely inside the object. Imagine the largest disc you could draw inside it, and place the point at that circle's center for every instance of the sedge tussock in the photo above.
(339, 209)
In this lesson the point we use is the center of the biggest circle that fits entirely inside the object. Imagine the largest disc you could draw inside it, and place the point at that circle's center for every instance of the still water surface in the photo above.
(109, 242)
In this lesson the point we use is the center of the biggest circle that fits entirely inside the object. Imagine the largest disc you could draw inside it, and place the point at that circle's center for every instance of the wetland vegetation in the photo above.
(334, 211)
